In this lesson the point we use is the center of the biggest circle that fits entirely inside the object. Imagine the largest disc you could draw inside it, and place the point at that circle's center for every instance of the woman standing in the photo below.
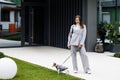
(76, 40)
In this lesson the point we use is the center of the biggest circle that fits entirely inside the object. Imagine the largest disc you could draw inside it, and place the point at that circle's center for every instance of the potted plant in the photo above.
(112, 35)
(101, 35)
(117, 55)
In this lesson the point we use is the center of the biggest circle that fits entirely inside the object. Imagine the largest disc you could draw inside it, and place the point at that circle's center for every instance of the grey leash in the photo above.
(70, 54)
(67, 58)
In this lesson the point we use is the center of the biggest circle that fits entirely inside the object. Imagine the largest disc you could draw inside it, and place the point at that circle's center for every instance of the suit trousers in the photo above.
(84, 58)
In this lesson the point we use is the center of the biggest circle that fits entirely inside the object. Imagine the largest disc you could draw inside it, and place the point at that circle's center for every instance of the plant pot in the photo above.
(112, 48)
(8, 68)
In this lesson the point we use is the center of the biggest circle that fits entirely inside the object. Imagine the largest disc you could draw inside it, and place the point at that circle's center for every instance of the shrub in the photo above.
(117, 55)
(2, 55)
(112, 32)
(15, 37)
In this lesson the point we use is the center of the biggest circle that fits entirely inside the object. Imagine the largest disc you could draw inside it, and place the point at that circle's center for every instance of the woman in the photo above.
(76, 40)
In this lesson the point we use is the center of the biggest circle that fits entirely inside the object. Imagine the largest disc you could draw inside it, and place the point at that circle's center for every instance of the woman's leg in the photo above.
(74, 58)
(84, 59)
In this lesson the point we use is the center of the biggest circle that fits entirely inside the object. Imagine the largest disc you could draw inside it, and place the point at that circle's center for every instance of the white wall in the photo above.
(5, 25)
(19, 20)
(12, 17)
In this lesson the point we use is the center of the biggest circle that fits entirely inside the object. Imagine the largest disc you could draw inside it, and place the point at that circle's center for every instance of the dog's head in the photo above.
(54, 64)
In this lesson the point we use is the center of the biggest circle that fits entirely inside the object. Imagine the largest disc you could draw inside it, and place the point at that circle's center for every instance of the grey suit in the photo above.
(77, 36)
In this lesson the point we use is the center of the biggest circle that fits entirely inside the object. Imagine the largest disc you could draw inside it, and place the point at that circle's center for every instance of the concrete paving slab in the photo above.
(9, 43)
(103, 66)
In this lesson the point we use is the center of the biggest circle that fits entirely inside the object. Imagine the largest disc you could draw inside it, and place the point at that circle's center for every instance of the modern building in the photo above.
(9, 14)
(47, 22)
(108, 11)
(111, 11)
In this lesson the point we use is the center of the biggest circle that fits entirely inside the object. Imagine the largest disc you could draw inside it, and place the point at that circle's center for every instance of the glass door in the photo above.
(34, 25)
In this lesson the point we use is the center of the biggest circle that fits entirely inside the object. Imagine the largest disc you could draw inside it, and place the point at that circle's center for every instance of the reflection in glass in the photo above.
(10, 23)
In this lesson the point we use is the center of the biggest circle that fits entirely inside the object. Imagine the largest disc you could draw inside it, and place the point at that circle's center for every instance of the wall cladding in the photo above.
(62, 13)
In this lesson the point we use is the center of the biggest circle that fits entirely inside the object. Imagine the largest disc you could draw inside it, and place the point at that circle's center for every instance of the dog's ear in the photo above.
(54, 64)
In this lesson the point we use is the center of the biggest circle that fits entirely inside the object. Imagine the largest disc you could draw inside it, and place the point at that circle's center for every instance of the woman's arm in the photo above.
(83, 36)
(70, 36)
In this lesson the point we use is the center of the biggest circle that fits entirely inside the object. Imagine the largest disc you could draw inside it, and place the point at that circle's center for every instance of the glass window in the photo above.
(5, 15)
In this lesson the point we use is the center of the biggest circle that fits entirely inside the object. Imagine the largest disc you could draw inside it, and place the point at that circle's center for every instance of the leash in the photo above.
(67, 58)
(70, 54)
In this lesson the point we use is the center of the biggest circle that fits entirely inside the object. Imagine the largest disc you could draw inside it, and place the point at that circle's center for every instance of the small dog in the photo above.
(60, 68)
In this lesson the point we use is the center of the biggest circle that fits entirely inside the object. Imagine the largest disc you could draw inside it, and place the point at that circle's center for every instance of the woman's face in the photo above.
(77, 20)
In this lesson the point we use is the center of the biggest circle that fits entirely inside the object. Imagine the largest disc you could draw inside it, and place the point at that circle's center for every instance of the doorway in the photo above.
(35, 32)
(38, 25)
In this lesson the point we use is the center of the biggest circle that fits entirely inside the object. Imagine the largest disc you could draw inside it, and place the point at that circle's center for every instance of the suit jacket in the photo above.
(76, 36)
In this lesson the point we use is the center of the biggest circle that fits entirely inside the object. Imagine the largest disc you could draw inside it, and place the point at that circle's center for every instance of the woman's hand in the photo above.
(79, 46)
(69, 46)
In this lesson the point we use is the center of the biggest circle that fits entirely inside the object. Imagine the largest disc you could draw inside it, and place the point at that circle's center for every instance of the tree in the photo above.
(18, 2)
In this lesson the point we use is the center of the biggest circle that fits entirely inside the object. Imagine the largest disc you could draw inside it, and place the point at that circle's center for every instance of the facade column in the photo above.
(91, 25)
(23, 26)
(116, 10)
(100, 12)
(0, 12)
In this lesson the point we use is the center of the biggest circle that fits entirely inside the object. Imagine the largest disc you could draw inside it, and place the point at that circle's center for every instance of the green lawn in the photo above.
(28, 71)
(15, 37)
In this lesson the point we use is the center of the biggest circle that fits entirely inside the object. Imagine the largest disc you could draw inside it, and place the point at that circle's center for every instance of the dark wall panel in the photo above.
(26, 16)
(36, 22)
(58, 18)
(62, 13)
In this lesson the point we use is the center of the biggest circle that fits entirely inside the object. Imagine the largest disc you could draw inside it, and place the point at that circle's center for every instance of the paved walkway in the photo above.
(9, 43)
(104, 66)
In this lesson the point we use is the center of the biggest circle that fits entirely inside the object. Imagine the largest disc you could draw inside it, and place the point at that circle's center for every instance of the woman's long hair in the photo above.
(81, 24)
